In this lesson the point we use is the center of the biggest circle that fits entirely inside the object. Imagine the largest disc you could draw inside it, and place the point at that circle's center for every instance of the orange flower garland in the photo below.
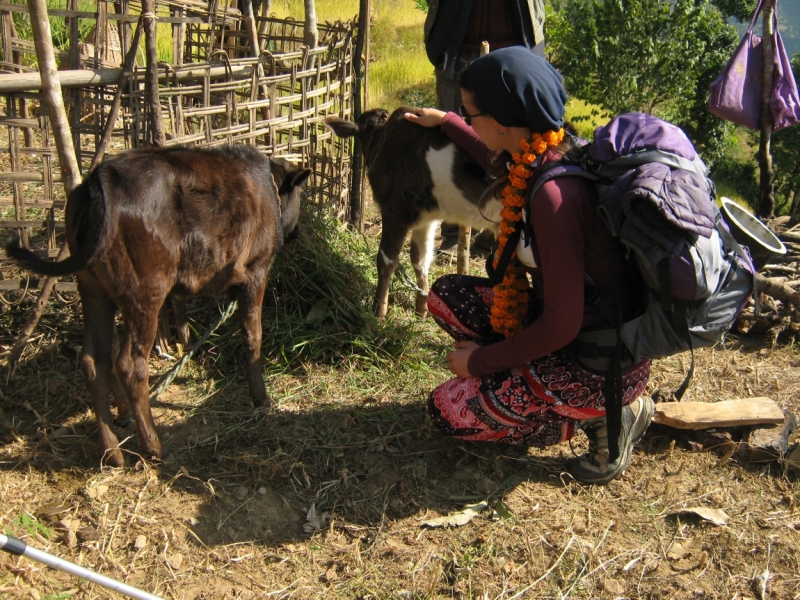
(510, 304)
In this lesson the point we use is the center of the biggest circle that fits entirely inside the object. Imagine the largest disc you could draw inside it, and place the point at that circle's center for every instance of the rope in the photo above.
(405, 279)
(176, 369)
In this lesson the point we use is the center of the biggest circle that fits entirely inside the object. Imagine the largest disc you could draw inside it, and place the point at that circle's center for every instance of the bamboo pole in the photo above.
(151, 78)
(264, 8)
(311, 35)
(766, 194)
(51, 86)
(255, 45)
(115, 105)
(71, 175)
(22, 82)
(356, 188)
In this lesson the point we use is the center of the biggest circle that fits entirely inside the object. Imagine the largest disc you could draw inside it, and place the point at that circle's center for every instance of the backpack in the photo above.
(654, 196)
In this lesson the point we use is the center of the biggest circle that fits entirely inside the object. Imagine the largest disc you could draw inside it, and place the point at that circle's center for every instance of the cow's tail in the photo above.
(86, 218)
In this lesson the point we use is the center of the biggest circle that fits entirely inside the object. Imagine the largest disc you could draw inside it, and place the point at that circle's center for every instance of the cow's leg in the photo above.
(141, 323)
(421, 258)
(250, 297)
(96, 361)
(120, 397)
(392, 238)
(182, 327)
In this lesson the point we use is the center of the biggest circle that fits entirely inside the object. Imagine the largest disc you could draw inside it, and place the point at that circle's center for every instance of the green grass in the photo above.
(729, 191)
(585, 117)
(399, 69)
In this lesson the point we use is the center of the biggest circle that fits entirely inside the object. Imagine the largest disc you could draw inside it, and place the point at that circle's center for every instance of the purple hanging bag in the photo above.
(785, 101)
(736, 95)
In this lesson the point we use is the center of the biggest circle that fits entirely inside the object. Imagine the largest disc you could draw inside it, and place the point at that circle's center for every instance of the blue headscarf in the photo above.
(519, 89)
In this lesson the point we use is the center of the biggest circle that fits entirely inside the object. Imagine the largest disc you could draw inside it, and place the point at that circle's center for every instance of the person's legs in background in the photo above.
(448, 96)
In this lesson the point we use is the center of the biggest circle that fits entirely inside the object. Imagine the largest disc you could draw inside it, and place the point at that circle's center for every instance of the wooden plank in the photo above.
(729, 413)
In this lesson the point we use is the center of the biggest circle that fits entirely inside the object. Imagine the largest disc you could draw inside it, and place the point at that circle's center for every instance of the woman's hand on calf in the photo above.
(427, 117)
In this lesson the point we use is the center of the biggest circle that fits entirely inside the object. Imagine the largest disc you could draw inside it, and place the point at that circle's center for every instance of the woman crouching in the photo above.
(521, 374)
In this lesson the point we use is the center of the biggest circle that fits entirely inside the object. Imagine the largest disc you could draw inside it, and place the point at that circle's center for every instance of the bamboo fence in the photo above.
(217, 90)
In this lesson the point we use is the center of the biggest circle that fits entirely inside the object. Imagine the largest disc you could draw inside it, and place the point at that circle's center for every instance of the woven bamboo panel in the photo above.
(214, 93)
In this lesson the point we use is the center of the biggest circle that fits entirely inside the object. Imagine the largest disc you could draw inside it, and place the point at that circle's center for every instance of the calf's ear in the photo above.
(300, 178)
(341, 127)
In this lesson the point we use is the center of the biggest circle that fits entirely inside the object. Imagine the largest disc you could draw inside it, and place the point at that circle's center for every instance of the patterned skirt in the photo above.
(536, 404)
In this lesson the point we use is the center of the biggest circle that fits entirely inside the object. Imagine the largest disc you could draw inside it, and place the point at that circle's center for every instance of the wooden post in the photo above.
(71, 175)
(151, 79)
(311, 35)
(266, 6)
(358, 160)
(255, 45)
(178, 36)
(766, 194)
(51, 87)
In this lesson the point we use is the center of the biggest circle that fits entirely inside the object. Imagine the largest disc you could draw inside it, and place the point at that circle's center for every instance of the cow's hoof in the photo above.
(262, 403)
(113, 458)
(421, 306)
(380, 312)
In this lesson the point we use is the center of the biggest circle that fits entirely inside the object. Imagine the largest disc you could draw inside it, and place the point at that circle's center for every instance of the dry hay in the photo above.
(231, 516)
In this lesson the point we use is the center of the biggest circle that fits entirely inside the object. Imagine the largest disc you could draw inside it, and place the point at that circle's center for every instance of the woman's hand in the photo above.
(457, 359)
(427, 117)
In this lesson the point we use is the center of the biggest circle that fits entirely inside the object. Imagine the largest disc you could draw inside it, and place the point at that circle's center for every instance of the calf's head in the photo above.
(366, 129)
(291, 182)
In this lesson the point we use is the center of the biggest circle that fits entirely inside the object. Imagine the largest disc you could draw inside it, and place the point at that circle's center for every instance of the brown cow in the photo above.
(148, 222)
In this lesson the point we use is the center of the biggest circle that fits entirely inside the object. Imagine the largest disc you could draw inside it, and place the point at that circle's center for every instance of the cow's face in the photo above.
(292, 183)
(366, 129)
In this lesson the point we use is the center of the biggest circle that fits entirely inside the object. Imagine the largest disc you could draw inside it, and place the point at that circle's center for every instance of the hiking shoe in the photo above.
(593, 467)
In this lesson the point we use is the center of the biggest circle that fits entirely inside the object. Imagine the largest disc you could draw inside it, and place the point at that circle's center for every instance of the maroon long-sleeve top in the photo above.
(570, 241)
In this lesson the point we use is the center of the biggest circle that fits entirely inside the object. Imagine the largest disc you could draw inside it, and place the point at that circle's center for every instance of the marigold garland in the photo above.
(510, 305)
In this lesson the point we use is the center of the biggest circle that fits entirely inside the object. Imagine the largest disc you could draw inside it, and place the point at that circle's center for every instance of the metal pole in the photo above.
(19, 548)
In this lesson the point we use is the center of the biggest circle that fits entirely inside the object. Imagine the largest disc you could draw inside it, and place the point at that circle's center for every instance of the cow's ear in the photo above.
(341, 127)
(300, 178)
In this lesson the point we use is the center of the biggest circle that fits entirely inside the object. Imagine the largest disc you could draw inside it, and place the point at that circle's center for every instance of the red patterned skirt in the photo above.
(536, 404)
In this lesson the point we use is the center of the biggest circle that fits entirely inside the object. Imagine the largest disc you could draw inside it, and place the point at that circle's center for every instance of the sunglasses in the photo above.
(462, 112)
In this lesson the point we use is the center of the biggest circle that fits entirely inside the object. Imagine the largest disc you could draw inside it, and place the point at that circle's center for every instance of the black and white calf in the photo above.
(419, 178)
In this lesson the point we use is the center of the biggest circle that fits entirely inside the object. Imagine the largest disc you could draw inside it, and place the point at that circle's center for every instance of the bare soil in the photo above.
(231, 515)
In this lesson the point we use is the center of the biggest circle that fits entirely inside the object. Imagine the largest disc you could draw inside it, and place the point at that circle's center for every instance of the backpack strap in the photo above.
(496, 274)
(571, 167)
(551, 170)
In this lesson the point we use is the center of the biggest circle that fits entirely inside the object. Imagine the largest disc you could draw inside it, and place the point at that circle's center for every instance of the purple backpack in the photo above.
(654, 196)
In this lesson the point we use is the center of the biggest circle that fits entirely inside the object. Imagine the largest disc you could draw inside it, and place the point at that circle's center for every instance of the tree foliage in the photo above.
(738, 9)
(653, 56)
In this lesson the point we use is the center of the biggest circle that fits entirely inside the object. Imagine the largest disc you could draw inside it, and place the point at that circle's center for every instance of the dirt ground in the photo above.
(326, 496)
